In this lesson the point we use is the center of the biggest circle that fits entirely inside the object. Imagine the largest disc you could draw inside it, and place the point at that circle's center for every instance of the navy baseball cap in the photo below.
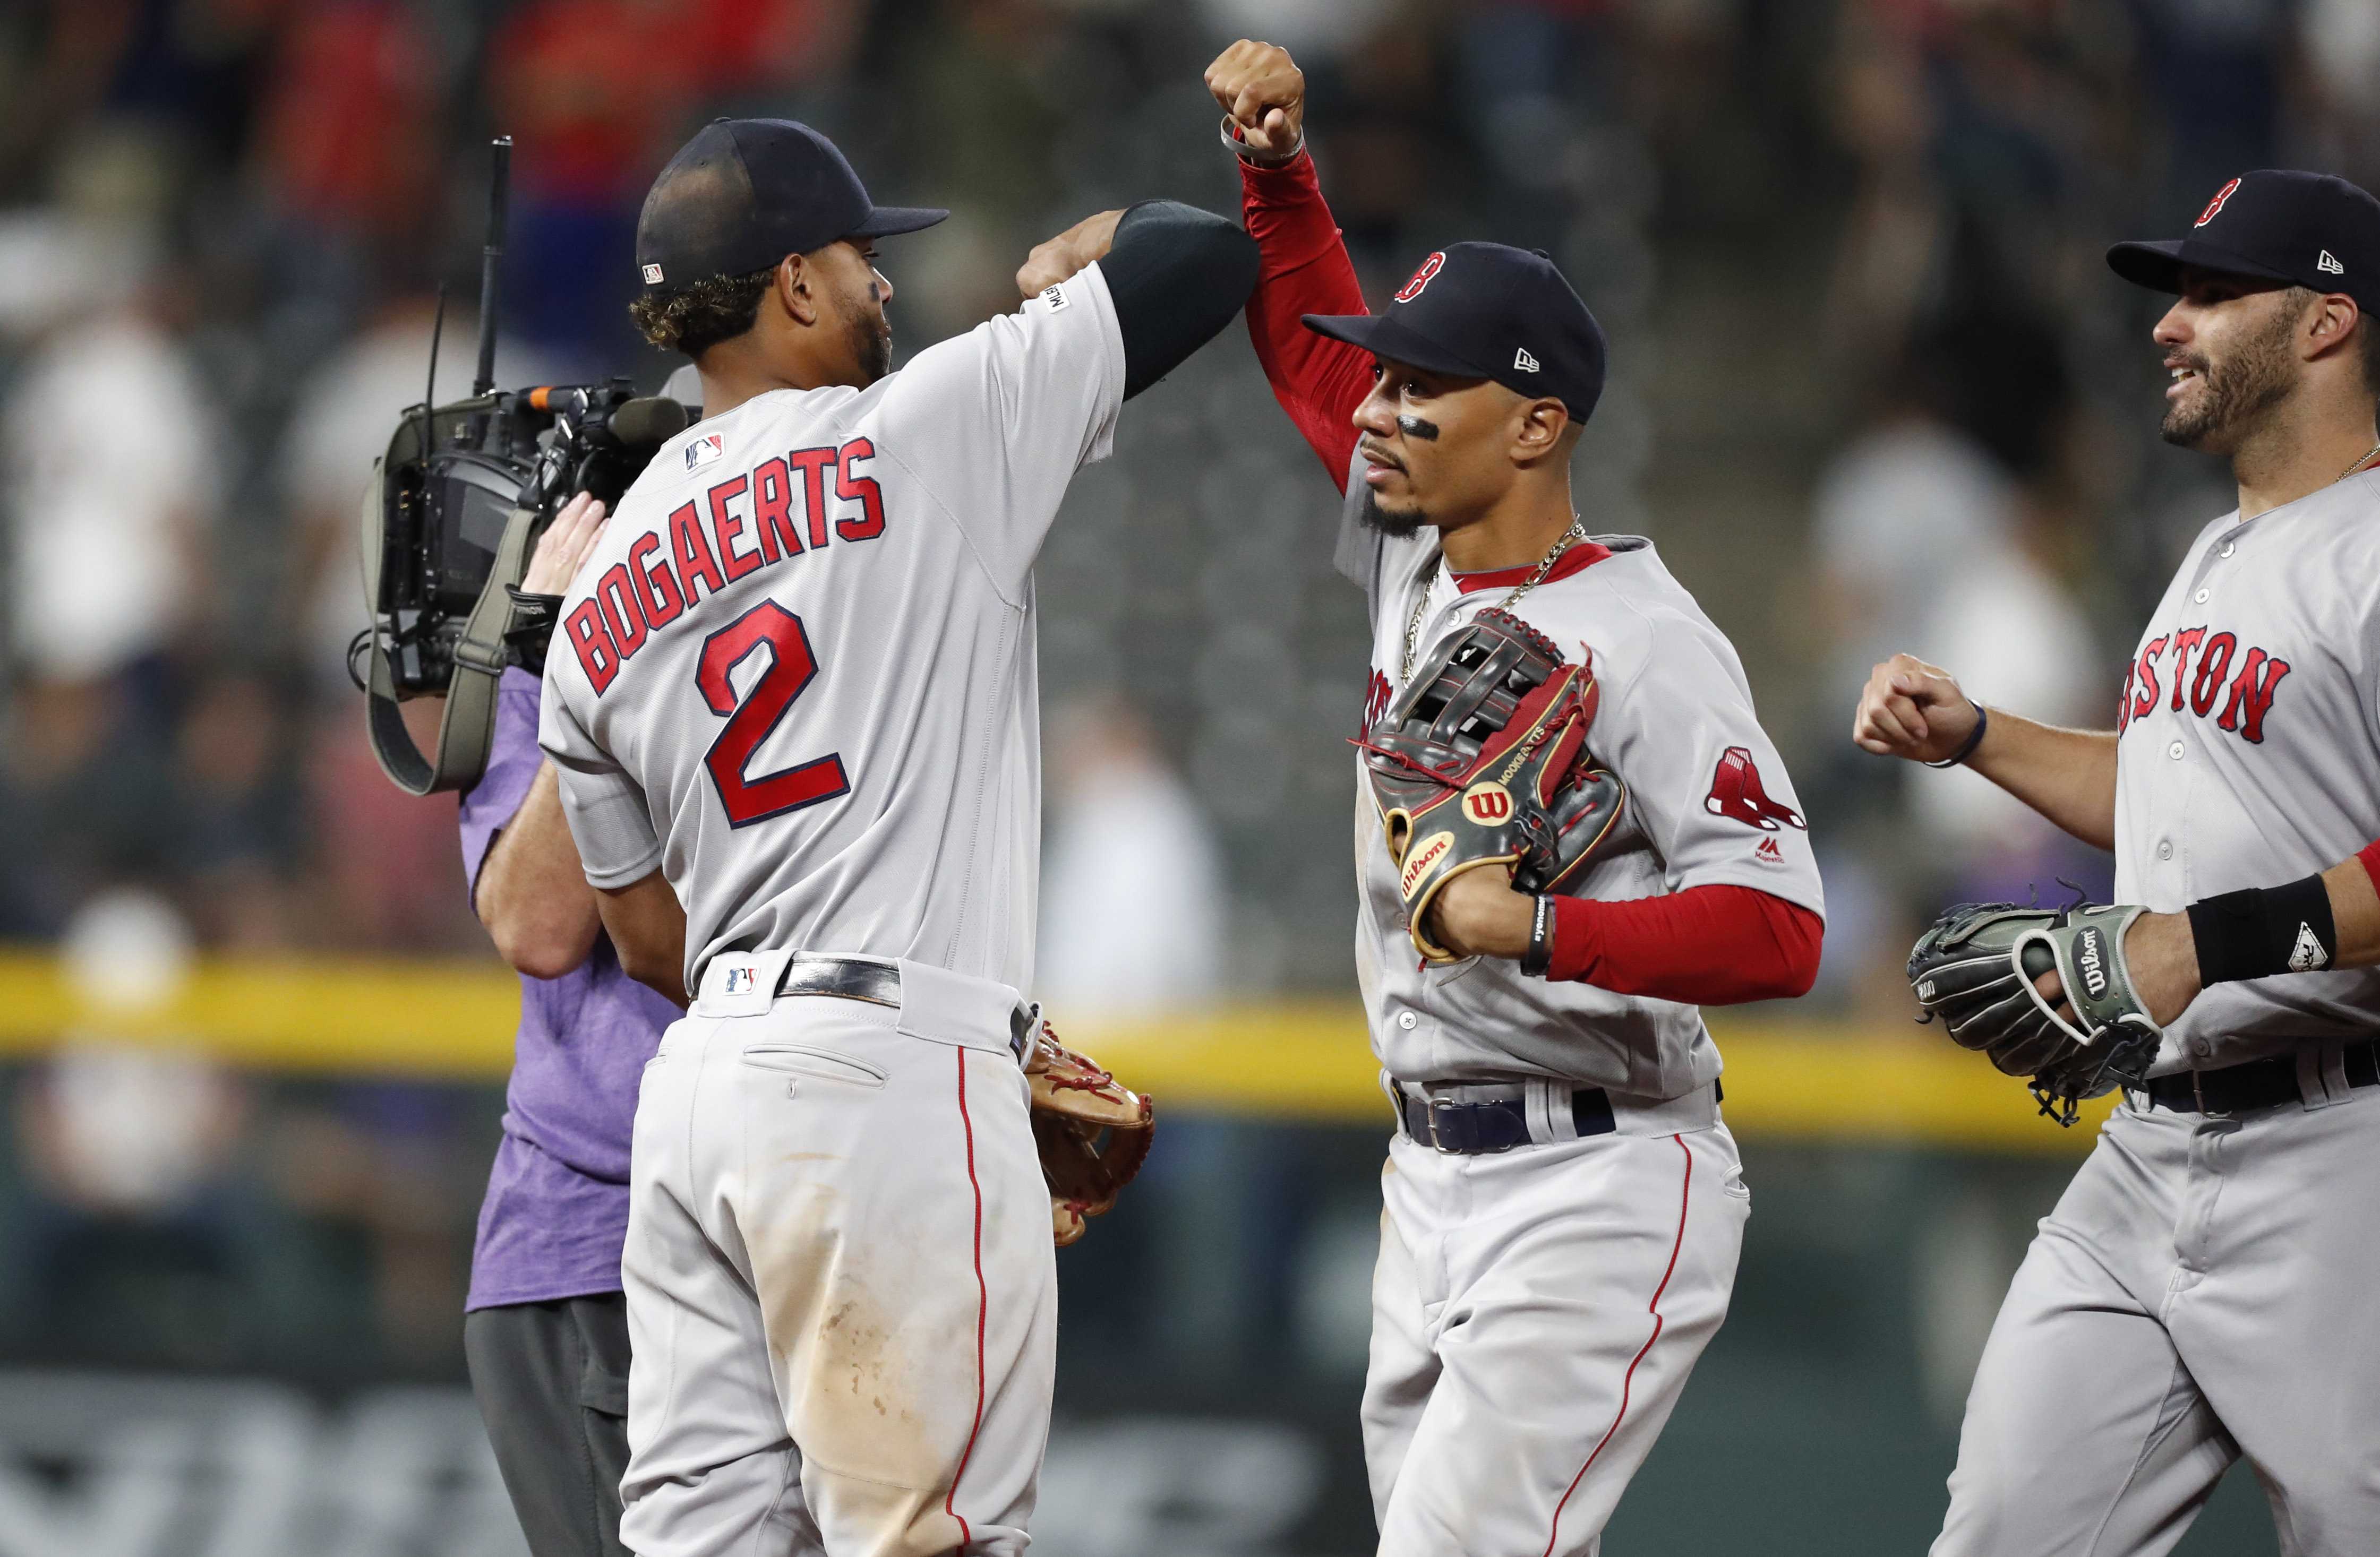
(745, 193)
(2276, 224)
(1485, 311)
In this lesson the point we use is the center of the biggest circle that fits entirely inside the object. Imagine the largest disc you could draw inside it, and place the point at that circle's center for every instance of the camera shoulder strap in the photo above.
(467, 721)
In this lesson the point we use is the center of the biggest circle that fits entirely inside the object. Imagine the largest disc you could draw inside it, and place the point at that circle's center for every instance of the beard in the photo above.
(1394, 525)
(871, 345)
(2257, 376)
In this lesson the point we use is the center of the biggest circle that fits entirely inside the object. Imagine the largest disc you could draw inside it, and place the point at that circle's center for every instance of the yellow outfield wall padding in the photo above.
(1786, 1079)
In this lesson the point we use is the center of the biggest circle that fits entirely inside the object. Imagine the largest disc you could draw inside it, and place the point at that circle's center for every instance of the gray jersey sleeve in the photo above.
(1706, 785)
(994, 423)
(609, 819)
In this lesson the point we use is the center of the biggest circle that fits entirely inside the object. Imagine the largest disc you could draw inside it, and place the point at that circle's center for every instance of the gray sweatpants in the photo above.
(2206, 1290)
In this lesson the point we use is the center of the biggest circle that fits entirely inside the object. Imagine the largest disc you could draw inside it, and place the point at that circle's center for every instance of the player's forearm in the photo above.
(1176, 275)
(532, 893)
(2068, 776)
(1304, 268)
(1706, 945)
(646, 925)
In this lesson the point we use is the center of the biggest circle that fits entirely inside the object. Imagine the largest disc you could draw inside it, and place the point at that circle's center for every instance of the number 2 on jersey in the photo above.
(792, 666)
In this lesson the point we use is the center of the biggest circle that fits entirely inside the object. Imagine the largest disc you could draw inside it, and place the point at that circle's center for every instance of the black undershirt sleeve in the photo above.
(1178, 275)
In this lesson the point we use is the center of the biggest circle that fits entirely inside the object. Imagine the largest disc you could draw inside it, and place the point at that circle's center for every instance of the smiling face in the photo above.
(2231, 356)
(1439, 450)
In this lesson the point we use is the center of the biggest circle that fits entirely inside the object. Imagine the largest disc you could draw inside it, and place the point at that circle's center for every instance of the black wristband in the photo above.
(1974, 739)
(531, 628)
(2263, 931)
(1539, 958)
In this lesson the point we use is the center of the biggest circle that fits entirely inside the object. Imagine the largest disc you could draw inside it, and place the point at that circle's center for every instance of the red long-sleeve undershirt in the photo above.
(1302, 268)
(1708, 946)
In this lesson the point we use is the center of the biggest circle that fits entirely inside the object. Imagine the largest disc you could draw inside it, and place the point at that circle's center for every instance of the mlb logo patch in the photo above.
(742, 981)
(653, 275)
(704, 450)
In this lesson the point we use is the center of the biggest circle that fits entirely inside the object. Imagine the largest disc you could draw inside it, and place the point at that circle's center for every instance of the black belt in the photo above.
(879, 983)
(1472, 1127)
(2258, 1083)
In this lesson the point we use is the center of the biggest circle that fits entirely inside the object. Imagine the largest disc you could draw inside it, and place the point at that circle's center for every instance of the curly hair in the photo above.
(697, 317)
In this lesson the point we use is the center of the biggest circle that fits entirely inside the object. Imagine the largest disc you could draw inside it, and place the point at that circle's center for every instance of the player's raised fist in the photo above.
(1912, 709)
(1264, 91)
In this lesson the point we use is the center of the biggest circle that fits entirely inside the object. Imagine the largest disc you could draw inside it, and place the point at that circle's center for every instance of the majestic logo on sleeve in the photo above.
(1737, 794)
(2215, 204)
(1421, 277)
(2209, 674)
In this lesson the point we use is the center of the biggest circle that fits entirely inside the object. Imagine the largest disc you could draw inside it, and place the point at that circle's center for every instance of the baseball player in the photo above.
(1562, 1206)
(545, 1327)
(793, 704)
(2199, 1292)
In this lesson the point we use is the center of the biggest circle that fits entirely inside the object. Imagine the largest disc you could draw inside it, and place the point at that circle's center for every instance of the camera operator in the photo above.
(545, 1328)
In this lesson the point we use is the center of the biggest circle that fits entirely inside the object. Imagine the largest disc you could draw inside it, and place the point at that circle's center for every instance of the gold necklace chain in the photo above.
(1563, 543)
(2373, 453)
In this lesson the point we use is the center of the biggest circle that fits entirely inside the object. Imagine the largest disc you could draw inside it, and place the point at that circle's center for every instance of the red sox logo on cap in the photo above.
(1429, 268)
(2215, 204)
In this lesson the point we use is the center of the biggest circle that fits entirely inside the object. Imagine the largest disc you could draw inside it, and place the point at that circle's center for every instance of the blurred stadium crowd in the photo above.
(1871, 388)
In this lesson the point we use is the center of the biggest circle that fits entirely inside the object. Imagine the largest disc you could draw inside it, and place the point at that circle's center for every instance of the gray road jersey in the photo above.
(1708, 802)
(798, 676)
(2249, 752)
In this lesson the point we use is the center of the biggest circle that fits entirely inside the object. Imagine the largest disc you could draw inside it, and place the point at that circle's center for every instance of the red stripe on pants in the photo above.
(1654, 1307)
(982, 1305)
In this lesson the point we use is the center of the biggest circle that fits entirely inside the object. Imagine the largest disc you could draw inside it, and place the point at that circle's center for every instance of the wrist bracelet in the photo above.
(1237, 141)
(1974, 738)
(1539, 958)
(2263, 931)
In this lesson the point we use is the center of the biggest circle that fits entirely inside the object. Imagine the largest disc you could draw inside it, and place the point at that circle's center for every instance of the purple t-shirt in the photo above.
(557, 1208)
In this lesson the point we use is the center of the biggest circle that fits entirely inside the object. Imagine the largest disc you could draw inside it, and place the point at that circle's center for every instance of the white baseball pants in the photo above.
(2203, 1290)
(1535, 1315)
(842, 1290)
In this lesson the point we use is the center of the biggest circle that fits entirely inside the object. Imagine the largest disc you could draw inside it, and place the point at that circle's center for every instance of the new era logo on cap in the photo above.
(2330, 264)
(1524, 362)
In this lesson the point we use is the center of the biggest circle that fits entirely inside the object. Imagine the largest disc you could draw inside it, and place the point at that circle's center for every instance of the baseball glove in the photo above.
(1975, 969)
(1093, 1133)
(1483, 761)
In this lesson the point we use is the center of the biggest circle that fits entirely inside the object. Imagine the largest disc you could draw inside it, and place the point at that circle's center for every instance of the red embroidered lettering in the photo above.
(2145, 696)
(656, 586)
(692, 552)
(726, 523)
(773, 510)
(618, 598)
(2213, 665)
(598, 655)
(812, 464)
(851, 487)
(2252, 694)
(2184, 643)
